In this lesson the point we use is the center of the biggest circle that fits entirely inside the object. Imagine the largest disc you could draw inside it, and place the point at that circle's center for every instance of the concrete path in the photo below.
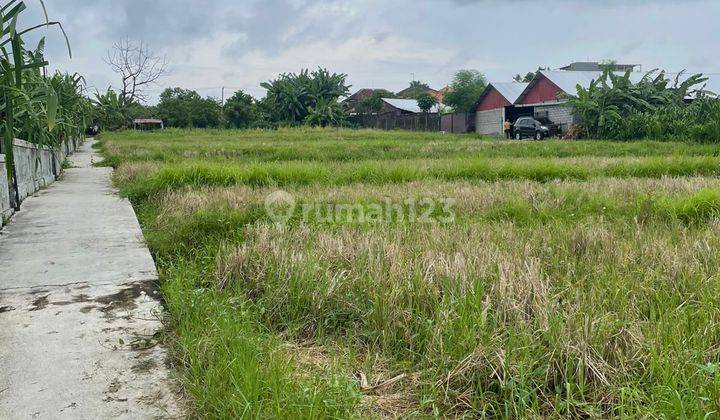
(79, 308)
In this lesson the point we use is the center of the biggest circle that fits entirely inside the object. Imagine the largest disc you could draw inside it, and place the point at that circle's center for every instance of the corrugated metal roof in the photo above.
(511, 91)
(568, 80)
(410, 105)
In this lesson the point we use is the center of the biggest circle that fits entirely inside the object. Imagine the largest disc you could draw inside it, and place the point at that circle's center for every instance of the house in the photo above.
(352, 102)
(495, 104)
(395, 106)
(545, 97)
(440, 94)
(414, 91)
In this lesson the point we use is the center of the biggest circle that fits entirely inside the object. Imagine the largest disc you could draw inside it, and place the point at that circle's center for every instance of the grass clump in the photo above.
(234, 368)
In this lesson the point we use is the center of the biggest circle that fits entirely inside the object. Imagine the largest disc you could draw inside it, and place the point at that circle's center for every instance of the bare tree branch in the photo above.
(138, 66)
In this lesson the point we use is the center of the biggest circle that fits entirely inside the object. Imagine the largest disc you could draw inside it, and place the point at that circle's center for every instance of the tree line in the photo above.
(307, 97)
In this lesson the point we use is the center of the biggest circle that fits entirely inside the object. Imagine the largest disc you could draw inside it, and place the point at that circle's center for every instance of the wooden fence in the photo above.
(458, 122)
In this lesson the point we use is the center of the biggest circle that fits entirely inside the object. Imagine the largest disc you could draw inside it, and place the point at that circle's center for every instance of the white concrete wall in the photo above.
(489, 122)
(36, 167)
(5, 208)
(559, 114)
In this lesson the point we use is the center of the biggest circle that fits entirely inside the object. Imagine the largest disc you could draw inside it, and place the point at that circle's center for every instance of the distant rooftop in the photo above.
(568, 81)
(596, 66)
(411, 105)
(510, 91)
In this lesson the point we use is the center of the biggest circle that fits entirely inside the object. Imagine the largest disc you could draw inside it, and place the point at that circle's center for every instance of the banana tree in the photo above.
(21, 104)
(604, 104)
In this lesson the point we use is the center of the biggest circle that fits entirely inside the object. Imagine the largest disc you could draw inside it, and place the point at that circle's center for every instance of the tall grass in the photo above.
(197, 173)
(566, 287)
(328, 145)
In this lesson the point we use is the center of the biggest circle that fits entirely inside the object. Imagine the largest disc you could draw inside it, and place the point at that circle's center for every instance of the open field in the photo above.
(574, 278)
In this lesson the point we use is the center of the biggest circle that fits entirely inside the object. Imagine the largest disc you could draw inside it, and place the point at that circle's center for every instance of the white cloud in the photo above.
(363, 58)
(378, 43)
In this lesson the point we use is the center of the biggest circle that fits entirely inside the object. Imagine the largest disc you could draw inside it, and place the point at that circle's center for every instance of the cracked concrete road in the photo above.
(79, 307)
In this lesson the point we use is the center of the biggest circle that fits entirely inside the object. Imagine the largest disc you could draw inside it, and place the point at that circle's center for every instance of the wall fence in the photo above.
(459, 122)
(35, 167)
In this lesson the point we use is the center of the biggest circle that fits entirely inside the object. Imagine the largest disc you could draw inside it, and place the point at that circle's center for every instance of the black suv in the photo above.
(530, 127)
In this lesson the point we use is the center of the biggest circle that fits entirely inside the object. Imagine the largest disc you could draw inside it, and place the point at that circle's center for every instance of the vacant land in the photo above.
(573, 278)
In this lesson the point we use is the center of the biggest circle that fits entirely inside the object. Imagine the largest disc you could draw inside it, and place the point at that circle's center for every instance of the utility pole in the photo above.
(222, 96)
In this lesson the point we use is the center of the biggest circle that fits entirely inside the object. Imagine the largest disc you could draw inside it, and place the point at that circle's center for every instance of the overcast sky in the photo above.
(379, 43)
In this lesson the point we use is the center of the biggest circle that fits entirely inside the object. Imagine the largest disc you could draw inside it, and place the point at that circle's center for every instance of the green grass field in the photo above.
(575, 278)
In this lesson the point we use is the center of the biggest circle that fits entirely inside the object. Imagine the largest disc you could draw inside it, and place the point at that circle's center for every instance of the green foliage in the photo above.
(426, 101)
(240, 110)
(39, 109)
(325, 112)
(529, 76)
(186, 108)
(374, 102)
(291, 98)
(111, 110)
(114, 111)
(414, 90)
(524, 79)
(251, 372)
(465, 90)
(613, 107)
(72, 110)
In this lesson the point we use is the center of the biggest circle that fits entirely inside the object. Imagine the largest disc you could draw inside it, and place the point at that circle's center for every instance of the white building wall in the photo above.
(489, 122)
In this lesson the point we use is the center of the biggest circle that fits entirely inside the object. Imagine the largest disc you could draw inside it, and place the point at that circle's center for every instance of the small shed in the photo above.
(495, 104)
(147, 124)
